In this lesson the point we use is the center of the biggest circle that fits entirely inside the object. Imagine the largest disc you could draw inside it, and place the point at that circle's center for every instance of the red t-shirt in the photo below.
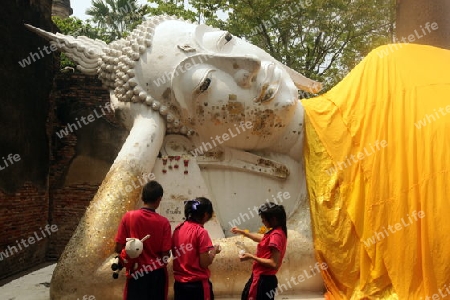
(145, 221)
(188, 241)
(276, 239)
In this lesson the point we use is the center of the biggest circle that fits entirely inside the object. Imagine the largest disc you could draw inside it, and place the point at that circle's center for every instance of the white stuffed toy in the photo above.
(127, 258)
(134, 246)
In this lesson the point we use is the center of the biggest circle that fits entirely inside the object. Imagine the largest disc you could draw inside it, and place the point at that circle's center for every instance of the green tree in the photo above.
(172, 8)
(116, 17)
(76, 27)
(323, 39)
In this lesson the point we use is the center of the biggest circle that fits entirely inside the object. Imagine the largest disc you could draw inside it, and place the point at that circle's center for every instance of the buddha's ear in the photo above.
(303, 83)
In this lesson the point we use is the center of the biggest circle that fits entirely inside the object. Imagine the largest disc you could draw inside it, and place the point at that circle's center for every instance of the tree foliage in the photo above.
(322, 39)
(113, 19)
(171, 8)
(76, 27)
(116, 17)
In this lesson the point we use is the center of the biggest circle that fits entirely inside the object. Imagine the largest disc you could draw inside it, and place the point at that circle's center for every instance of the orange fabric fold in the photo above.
(377, 164)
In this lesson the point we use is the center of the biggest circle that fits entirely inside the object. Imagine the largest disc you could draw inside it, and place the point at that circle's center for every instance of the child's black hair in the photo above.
(194, 210)
(271, 210)
(152, 191)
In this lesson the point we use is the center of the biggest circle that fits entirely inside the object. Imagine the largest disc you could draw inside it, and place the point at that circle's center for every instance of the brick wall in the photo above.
(24, 215)
(81, 159)
(55, 178)
(24, 93)
(78, 163)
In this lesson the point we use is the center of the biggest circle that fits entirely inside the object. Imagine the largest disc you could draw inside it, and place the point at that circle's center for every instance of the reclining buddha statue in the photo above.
(211, 115)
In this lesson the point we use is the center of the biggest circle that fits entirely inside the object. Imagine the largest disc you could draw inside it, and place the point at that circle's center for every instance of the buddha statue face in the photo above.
(211, 82)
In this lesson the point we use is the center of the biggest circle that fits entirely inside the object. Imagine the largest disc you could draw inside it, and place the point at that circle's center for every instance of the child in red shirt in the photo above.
(193, 252)
(149, 280)
(269, 253)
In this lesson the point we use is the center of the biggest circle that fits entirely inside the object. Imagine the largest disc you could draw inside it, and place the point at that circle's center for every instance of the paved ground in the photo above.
(35, 286)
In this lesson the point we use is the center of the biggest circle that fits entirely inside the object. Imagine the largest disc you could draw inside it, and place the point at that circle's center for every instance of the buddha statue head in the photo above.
(202, 80)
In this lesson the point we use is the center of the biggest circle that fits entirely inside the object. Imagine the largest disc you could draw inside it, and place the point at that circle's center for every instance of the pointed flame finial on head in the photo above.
(83, 50)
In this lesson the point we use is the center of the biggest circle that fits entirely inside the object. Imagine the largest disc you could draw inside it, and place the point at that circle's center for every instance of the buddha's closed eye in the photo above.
(204, 85)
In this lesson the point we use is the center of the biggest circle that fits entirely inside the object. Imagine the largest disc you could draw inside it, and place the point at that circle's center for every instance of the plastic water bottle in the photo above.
(242, 248)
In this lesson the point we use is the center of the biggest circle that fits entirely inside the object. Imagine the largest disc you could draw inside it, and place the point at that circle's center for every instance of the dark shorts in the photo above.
(266, 287)
(191, 290)
(151, 286)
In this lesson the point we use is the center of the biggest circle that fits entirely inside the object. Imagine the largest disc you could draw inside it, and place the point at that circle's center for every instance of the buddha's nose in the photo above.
(246, 72)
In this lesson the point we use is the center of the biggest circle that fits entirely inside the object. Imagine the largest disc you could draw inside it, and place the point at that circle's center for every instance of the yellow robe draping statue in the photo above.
(378, 171)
